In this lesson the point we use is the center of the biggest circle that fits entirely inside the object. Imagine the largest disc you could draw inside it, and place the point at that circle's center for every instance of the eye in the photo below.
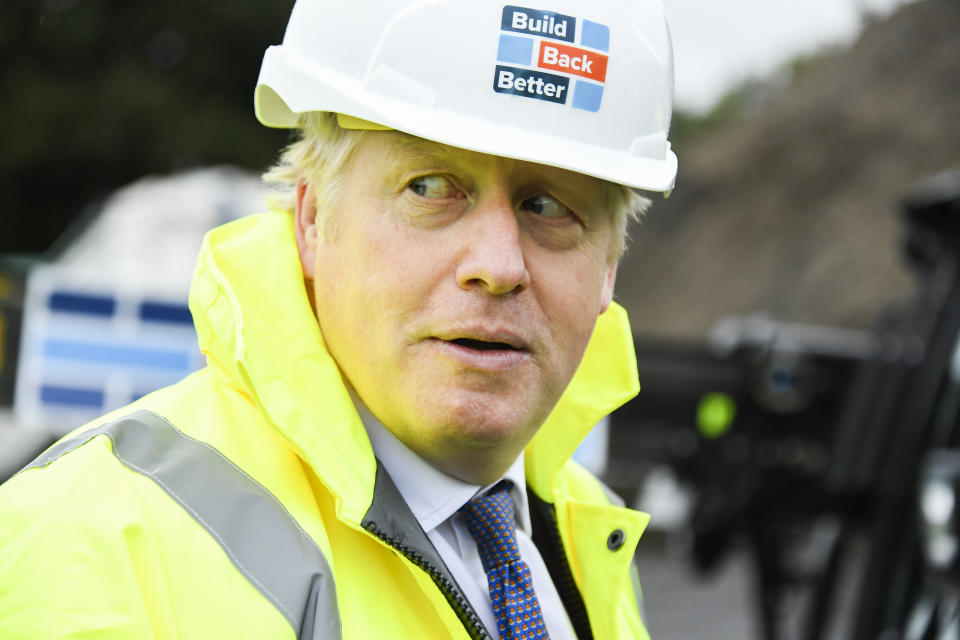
(545, 206)
(434, 186)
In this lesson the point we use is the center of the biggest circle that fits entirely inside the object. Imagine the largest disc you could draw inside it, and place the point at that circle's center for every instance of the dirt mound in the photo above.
(791, 208)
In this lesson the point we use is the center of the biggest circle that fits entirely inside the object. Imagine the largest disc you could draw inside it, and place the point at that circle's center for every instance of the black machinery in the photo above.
(817, 446)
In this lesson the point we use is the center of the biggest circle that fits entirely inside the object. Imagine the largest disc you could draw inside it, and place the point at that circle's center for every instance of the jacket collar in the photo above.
(255, 325)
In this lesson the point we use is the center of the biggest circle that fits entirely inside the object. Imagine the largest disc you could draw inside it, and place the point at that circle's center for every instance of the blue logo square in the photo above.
(587, 96)
(515, 49)
(595, 35)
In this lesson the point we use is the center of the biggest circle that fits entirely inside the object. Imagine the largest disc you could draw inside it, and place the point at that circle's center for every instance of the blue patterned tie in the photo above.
(490, 521)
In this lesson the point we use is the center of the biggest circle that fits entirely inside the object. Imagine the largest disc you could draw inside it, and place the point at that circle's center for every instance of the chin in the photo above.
(484, 424)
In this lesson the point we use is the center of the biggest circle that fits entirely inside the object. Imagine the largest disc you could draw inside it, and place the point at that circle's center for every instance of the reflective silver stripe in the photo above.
(260, 537)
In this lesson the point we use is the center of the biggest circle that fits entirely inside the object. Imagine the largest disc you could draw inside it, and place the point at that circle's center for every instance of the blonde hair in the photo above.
(319, 155)
(324, 147)
(625, 205)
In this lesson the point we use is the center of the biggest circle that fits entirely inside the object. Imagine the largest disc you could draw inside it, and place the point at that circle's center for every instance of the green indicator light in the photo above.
(715, 414)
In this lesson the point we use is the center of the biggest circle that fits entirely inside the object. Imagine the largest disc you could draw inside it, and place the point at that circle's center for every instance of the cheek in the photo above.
(571, 300)
(341, 294)
(579, 277)
(374, 284)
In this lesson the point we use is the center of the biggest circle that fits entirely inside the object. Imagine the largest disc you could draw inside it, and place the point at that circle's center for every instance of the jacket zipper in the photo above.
(546, 536)
(456, 599)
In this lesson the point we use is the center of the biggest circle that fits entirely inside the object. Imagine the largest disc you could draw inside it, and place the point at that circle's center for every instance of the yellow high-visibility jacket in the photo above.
(246, 502)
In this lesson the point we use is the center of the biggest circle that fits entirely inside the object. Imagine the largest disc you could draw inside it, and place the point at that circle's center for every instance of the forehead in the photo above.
(397, 151)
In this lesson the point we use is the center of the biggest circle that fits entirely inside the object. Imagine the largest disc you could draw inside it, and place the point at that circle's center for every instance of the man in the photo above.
(401, 357)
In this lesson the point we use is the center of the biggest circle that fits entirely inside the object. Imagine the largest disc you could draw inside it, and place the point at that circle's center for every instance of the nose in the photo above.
(492, 257)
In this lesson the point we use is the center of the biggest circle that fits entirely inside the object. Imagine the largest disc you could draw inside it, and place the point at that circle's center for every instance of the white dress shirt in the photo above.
(435, 499)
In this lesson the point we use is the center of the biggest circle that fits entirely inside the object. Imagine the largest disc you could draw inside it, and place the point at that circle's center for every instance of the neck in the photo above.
(470, 465)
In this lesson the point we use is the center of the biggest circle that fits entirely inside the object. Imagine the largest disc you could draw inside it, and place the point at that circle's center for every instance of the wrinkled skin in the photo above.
(457, 292)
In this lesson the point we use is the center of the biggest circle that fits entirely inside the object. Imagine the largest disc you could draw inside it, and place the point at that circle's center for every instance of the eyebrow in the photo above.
(413, 147)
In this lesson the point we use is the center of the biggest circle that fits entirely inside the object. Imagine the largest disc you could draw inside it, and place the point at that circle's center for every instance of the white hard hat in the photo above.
(585, 85)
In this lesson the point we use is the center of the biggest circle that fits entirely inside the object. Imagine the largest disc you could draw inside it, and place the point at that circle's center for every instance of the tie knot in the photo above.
(490, 521)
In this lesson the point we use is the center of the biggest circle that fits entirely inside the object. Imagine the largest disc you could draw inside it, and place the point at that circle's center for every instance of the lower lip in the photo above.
(494, 360)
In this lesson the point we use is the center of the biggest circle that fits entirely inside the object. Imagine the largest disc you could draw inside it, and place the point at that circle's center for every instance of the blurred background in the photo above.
(795, 301)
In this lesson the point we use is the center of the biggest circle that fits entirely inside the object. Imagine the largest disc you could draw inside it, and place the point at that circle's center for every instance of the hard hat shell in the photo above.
(585, 85)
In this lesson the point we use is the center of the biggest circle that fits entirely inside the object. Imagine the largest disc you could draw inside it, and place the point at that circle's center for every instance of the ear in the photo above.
(305, 226)
(607, 296)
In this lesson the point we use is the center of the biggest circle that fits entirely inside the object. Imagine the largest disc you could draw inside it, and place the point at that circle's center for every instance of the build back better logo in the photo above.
(534, 43)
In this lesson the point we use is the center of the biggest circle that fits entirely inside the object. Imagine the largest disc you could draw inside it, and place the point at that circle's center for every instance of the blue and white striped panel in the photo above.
(87, 352)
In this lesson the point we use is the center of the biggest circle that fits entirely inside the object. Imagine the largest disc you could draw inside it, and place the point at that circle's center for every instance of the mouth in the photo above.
(483, 345)
(491, 352)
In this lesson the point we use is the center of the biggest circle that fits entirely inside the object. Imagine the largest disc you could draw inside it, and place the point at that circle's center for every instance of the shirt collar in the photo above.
(434, 496)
